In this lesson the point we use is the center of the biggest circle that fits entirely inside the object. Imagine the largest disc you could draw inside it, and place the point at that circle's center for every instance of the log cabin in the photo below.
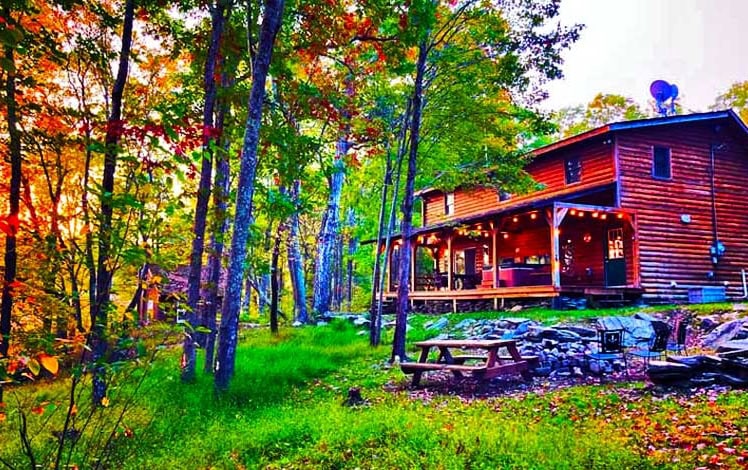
(653, 209)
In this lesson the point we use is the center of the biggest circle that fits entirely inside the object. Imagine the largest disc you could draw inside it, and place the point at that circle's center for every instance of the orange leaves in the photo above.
(50, 363)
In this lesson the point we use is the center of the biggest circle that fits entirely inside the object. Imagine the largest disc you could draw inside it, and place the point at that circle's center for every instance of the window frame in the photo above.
(669, 177)
(449, 209)
(577, 166)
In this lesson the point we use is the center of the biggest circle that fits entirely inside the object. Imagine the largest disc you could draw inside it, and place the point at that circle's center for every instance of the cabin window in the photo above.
(449, 203)
(573, 170)
(661, 163)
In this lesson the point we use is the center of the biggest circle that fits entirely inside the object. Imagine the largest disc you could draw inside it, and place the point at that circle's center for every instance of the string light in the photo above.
(604, 216)
(573, 212)
(515, 219)
(620, 216)
(595, 215)
(534, 215)
(580, 214)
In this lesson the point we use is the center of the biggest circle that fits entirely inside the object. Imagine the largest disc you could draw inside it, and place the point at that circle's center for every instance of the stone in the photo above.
(464, 324)
(516, 308)
(523, 327)
(542, 371)
(723, 333)
(580, 330)
(361, 320)
(708, 323)
(439, 324)
(635, 330)
(297, 323)
(513, 322)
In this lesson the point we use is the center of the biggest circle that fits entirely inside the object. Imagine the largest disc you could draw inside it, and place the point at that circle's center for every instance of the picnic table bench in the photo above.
(483, 366)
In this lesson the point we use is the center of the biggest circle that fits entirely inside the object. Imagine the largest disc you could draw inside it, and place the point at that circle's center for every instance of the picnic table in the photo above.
(459, 357)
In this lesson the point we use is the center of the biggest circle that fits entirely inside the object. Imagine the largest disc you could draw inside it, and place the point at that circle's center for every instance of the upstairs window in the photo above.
(573, 170)
(661, 163)
(449, 203)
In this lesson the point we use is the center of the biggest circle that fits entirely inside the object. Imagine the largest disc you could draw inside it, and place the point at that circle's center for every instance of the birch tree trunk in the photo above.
(104, 264)
(328, 236)
(296, 260)
(398, 343)
(228, 334)
(203, 192)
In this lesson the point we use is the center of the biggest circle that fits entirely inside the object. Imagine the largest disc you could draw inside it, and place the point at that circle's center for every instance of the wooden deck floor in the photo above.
(515, 292)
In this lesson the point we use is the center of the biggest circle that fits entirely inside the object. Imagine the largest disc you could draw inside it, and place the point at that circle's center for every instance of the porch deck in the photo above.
(515, 292)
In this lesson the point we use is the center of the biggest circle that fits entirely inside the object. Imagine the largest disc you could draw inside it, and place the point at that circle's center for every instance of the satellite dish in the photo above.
(660, 90)
(673, 91)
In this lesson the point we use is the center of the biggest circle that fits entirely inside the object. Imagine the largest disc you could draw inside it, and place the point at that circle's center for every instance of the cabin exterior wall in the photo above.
(674, 251)
(597, 168)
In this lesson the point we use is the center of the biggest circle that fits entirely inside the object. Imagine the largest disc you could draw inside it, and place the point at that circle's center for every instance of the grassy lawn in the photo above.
(285, 410)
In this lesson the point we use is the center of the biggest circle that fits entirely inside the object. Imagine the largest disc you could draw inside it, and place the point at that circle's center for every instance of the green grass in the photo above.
(284, 410)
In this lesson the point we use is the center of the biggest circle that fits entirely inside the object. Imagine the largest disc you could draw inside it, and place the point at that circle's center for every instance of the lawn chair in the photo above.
(656, 346)
(610, 348)
(680, 329)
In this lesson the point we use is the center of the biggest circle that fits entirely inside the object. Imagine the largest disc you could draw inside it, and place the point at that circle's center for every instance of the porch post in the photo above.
(388, 262)
(637, 272)
(495, 257)
(555, 260)
(413, 265)
(450, 257)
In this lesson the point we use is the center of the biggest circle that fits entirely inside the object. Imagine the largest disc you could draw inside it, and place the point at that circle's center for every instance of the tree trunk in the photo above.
(375, 334)
(398, 343)
(227, 340)
(274, 279)
(328, 236)
(104, 268)
(296, 260)
(203, 192)
(14, 199)
(221, 188)
(351, 220)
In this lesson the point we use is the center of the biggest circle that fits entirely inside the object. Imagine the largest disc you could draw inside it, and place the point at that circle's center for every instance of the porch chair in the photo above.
(610, 347)
(656, 346)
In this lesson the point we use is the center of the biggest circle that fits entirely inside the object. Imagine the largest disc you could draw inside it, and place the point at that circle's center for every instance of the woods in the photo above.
(141, 138)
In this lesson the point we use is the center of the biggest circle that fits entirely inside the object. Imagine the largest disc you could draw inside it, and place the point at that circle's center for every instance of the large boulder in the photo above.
(724, 333)
(635, 330)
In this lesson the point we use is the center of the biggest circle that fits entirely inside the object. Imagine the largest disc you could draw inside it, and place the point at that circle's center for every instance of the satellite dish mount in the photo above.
(663, 91)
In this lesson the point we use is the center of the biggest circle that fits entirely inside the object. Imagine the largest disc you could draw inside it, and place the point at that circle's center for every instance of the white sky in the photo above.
(700, 45)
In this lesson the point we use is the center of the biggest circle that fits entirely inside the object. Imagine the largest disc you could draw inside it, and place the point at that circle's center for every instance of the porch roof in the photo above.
(505, 210)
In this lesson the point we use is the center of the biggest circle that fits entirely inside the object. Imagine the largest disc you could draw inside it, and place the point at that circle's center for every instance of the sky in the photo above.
(699, 45)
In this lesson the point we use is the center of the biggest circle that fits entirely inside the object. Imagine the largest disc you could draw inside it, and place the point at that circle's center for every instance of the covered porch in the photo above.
(555, 249)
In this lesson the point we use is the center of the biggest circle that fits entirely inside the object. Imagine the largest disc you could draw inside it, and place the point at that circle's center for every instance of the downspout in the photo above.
(717, 249)
(745, 285)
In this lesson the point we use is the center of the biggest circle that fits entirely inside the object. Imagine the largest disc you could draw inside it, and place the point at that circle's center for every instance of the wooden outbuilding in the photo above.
(654, 208)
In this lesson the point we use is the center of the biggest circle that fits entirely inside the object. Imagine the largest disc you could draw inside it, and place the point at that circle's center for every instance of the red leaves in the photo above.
(9, 225)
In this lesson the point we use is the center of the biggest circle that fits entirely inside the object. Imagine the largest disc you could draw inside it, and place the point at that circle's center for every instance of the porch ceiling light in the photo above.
(580, 214)
(604, 216)
(515, 219)
(505, 235)
(573, 212)
(620, 216)
(595, 215)
(533, 215)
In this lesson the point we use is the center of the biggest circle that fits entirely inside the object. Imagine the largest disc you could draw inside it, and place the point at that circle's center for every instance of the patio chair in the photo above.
(610, 348)
(656, 346)
(680, 329)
